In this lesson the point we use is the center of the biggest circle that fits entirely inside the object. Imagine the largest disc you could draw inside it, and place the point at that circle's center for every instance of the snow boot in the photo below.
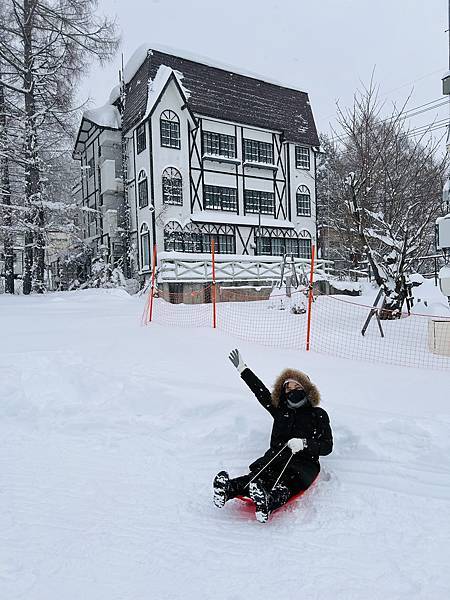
(221, 486)
(278, 496)
(267, 502)
(261, 499)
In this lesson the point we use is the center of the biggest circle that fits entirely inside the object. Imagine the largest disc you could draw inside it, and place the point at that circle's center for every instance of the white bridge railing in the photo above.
(176, 267)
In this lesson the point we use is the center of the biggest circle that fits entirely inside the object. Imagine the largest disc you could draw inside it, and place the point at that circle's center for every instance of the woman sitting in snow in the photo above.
(300, 434)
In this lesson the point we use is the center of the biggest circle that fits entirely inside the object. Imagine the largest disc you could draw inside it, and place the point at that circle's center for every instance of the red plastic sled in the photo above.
(248, 504)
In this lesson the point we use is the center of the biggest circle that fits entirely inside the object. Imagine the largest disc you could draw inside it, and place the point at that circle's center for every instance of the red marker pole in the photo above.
(214, 282)
(152, 290)
(310, 298)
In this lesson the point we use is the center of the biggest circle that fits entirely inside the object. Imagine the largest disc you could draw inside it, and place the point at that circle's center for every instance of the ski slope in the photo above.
(110, 435)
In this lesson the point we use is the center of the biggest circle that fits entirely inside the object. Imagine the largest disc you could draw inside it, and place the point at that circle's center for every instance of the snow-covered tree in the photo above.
(46, 47)
(385, 193)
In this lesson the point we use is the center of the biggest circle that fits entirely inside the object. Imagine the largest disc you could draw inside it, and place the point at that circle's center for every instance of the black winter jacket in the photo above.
(309, 422)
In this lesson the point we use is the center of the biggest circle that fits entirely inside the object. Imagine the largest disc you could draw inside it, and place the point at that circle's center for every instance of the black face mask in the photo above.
(296, 398)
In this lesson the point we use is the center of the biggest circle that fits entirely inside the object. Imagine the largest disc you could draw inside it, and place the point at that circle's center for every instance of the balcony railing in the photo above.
(177, 267)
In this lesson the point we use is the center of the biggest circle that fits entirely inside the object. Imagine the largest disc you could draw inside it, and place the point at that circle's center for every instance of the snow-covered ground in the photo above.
(110, 434)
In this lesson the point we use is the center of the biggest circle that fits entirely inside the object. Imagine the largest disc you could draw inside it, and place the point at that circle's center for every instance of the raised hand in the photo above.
(237, 360)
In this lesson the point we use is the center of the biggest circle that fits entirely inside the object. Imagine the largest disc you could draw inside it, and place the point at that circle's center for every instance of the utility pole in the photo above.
(446, 92)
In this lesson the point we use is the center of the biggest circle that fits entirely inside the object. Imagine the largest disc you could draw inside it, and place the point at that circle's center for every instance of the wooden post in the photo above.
(213, 283)
(152, 290)
(310, 298)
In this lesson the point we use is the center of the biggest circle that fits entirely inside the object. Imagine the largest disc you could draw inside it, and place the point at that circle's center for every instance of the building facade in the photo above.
(189, 153)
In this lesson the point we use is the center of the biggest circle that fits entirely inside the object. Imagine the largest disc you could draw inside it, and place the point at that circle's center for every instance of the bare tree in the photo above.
(48, 47)
(386, 194)
(5, 196)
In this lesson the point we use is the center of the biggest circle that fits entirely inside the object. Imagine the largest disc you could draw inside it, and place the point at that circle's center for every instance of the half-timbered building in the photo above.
(207, 154)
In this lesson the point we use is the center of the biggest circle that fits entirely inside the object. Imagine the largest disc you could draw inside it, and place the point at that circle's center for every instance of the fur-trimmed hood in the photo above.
(310, 389)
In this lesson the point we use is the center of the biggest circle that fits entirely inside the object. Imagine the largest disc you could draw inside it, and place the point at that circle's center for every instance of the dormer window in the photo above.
(259, 152)
(170, 129)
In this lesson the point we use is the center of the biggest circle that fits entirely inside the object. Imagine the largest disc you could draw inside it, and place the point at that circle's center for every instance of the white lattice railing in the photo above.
(176, 267)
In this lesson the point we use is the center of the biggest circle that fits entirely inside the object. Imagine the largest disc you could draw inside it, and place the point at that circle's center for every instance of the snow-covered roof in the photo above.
(115, 94)
(104, 116)
(219, 92)
(134, 62)
(157, 84)
(140, 54)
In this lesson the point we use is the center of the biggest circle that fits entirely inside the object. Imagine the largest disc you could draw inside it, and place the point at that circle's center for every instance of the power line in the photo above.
(403, 117)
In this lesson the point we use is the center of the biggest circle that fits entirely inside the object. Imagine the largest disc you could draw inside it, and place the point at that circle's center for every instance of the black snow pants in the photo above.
(295, 482)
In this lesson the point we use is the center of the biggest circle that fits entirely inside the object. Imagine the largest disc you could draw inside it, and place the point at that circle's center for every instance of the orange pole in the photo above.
(214, 282)
(310, 298)
(152, 290)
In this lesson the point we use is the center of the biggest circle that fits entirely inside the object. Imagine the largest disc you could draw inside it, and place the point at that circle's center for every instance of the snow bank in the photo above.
(111, 433)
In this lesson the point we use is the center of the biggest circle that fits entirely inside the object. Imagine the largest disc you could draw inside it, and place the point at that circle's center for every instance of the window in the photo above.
(276, 242)
(304, 247)
(263, 246)
(172, 186)
(142, 189)
(219, 198)
(219, 144)
(141, 139)
(259, 202)
(198, 238)
(302, 157)
(170, 129)
(303, 201)
(192, 238)
(91, 165)
(291, 246)
(261, 152)
(145, 246)
(173, 237)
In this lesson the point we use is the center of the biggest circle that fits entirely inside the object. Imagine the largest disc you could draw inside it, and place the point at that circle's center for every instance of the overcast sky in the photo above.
(324, 47)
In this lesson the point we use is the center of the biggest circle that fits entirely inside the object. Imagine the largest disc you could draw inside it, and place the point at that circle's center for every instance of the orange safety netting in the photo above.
(272, 319)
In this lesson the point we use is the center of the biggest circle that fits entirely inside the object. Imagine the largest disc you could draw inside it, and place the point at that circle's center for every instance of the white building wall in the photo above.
(303, 177)
(155, 158)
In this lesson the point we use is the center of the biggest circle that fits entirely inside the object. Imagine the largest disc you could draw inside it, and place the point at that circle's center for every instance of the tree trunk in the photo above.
(34, 246)
(5, 187)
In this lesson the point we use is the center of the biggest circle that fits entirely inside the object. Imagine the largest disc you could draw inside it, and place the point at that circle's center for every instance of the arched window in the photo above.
(170, 129)
(303, 201)
(192, 238)
(304, 244)
(173, 237)
(223, 235)
(198, 238)
(172, 186)
(145, 246)
(291, 242)
(272, 241)
(142, 189)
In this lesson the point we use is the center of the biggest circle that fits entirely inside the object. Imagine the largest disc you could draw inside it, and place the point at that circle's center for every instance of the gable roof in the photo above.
(105, 117)
(221, 94)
